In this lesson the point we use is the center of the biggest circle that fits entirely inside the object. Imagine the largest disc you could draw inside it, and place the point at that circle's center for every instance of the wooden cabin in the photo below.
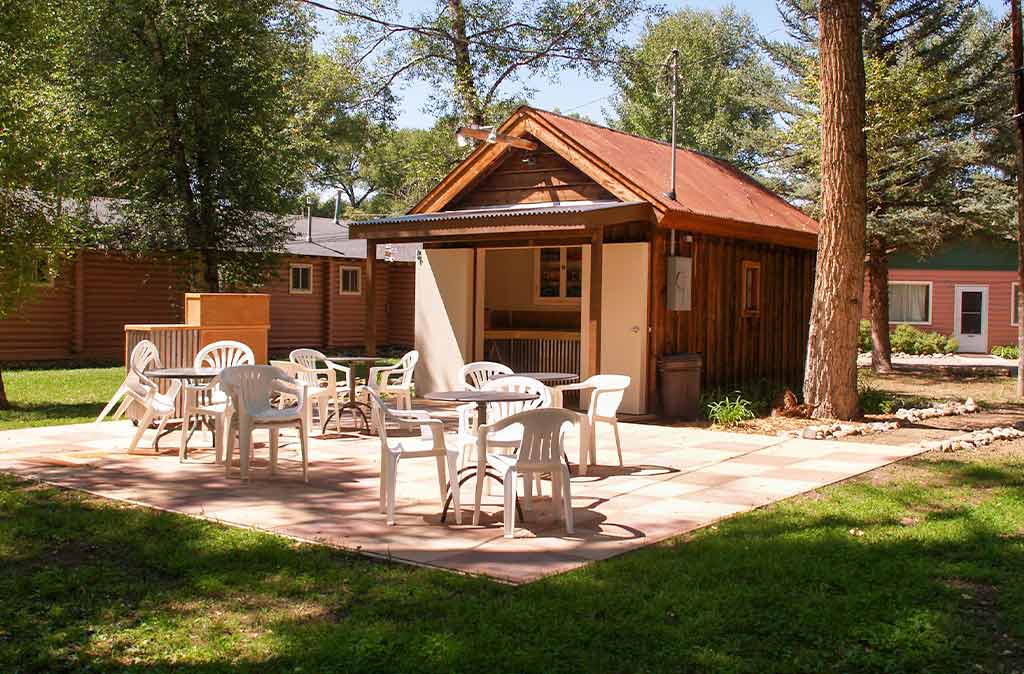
(316, 293)
(556, 248)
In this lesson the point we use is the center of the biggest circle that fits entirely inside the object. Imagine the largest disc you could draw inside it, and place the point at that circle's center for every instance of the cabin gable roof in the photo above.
(711, 194)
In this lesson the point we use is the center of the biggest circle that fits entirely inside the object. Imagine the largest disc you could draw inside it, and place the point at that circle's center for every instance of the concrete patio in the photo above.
(675, 480)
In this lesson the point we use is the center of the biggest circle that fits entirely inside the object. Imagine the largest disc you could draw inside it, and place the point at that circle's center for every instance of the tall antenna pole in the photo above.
(1018, 99)
(671, 194)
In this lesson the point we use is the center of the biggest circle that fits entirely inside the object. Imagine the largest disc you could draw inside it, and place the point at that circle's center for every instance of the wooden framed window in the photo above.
(300, 279)
(750, 283)
(40, 273)
(351, 281)
(558, 274)
(910, 302)
(1015, 306)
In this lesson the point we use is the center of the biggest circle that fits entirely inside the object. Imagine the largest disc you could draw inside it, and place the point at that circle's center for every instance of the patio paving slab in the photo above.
(675, 480)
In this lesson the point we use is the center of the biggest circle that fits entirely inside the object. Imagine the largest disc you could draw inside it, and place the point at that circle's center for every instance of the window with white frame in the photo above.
(351, 281)
(1015, 309)
(40, 272)
(910, 302)
(300, 279)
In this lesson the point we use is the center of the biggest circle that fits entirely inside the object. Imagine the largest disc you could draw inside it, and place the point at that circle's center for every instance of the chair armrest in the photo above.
(375, 374)
(578, 386)
(291, 387)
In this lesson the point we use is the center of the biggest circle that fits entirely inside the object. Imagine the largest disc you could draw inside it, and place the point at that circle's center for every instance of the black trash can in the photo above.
(680, 385)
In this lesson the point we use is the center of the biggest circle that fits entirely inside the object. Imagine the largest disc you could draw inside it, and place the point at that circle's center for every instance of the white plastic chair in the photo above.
(251, 388)
(207, 399)
(509, 437)
(606, 395)
(540, 451)
(140, 389)
(430, 443)
(396, 379)
(473, 376)
(321, 384)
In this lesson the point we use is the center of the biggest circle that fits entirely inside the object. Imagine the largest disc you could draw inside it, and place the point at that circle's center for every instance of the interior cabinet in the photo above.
(558, 274)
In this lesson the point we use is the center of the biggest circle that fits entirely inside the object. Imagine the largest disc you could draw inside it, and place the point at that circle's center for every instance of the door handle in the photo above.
(636, 329)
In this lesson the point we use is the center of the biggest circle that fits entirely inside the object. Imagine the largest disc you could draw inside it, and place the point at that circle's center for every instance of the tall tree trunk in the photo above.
(211, 269)
(465, 82)
(4, 403)
(831, 379)
(1018, 98)
(878, 305)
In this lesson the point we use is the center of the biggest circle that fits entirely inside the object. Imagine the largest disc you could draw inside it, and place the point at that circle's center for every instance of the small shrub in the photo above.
(729, 411)
(908, 339)
(864, 337)
(1008, 351)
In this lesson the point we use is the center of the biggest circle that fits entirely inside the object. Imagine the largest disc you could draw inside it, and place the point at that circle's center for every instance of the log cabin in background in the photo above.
(555, 247)
(317, 299)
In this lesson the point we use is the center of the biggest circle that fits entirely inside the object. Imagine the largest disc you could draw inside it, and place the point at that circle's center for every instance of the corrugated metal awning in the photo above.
(517, 219)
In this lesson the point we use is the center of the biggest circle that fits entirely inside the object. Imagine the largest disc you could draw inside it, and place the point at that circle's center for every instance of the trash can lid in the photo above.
(681, 361)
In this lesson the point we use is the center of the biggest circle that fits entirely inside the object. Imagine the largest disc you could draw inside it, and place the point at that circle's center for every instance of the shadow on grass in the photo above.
(50, 410)
(89, 584)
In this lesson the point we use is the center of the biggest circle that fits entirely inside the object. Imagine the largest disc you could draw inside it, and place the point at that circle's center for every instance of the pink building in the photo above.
(967, 289)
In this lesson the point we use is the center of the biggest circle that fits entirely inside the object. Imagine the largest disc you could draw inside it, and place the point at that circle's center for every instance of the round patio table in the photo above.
(546, 378)
(189, 375)
(353, 403)
(480, 470)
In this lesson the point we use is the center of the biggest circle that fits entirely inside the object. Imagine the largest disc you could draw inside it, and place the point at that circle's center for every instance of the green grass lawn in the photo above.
(47, 397)
(917, 569)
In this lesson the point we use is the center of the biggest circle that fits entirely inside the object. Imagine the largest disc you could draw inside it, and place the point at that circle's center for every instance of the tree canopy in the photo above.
(729, 92)
(479, 54)
(199, 118)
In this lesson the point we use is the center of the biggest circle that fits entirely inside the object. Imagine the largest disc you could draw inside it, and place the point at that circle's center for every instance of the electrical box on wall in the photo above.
(680, 283)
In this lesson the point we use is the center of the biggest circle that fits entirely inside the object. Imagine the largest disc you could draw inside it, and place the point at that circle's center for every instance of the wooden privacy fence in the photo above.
(177, 344)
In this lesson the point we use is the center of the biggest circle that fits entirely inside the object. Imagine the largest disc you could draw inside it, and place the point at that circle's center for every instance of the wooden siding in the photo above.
(944, 282)
(524, 177)
(115, 290)
(738, 349)
(40, 329)
(123, 290)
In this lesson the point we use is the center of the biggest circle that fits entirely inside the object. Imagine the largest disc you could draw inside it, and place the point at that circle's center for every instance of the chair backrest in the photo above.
(408, 365)
(143, 355)
(224, 354)
(251, 386)
(496, 411)
(608, 390)
(543, 430)
(307, 360)
(475, 375)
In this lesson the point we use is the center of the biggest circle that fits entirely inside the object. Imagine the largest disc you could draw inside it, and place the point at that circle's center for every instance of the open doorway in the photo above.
(530, 314)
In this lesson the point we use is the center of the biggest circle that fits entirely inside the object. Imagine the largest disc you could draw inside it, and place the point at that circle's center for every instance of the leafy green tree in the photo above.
(476, 54)
(935, 100)
(729, 92)
(408, 163)
(198, 118)
(35, 162)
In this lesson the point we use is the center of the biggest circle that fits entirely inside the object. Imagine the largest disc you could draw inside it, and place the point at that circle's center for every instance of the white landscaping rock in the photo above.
(975, 439)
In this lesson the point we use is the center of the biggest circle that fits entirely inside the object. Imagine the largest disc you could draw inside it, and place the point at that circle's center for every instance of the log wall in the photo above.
(82, 315)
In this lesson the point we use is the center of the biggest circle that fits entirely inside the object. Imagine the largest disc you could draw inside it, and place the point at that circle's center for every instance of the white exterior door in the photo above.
(624, 291)
(971, 318)
(445, 302)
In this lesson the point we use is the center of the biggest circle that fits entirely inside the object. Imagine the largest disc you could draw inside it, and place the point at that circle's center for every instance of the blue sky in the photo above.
(581, 94)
